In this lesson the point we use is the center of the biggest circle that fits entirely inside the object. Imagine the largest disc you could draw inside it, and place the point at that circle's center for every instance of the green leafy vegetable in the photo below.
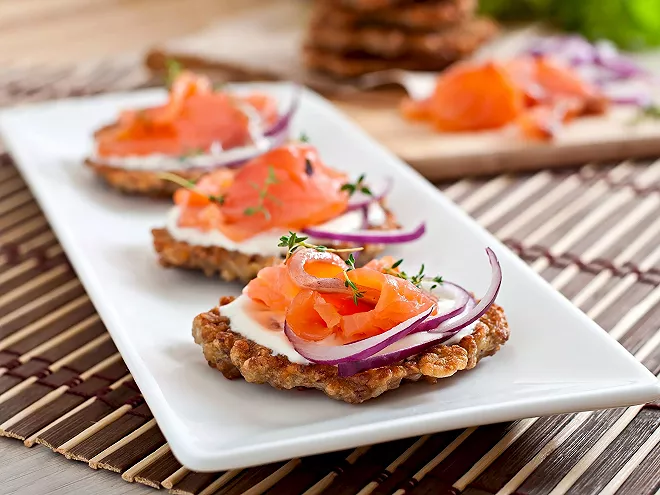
(630, 24)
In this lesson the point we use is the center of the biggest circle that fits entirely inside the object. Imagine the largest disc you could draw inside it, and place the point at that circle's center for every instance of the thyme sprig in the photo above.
(358, 185)
(293, 242)
(416, 279)
(173, 70)
(348, 283)
(264, 194)
(303, 138)
(647, 112)
(189, 184)
(189, 153)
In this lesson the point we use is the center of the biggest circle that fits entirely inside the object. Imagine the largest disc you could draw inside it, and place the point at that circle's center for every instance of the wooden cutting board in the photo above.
(264, 43)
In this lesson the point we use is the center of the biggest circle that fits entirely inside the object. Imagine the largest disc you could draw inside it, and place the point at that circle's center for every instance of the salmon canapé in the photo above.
(315, 321)
(194, 118)
(196, 130)
(230, 221)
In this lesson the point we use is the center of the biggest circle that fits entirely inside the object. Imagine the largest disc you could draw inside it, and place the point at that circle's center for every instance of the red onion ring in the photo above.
(349, 368)
(284, 121)
(327, 354)
(446, 329)
(608, 57)
(600, 64)
(305, 280)
(365, 218)
(369, 236)
(486, 301)
(360, 200)
(463, 302)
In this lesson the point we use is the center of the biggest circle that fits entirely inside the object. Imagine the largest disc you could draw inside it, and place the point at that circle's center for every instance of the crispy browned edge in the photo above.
(436, 53)
(235, 356)
(139, 182)
(234, 265)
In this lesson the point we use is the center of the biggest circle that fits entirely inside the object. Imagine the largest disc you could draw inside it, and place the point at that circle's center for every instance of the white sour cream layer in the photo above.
(262, 326)
(265, 243)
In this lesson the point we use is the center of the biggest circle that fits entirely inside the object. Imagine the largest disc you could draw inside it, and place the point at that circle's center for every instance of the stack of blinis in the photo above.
(348, 38)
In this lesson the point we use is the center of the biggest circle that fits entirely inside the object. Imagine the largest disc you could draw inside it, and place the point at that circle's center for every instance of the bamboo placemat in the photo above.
(593, 233)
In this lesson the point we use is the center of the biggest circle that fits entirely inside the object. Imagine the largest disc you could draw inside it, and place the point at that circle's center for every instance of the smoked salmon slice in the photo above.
(195, 117)
(484, 96)
(386, 300)
(288, 188)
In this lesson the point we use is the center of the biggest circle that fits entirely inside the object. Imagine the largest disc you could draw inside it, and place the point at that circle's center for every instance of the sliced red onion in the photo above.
(379, 191)
(609, 57)
(331, 354)
(395, 236)
(350, 368)
(445, 330)
(600, 64)
(640, 100)
(633, 92)
(285, 120)
(365, 217)
(486, 301)
(572, 49)
(463, 302)
(305, 280)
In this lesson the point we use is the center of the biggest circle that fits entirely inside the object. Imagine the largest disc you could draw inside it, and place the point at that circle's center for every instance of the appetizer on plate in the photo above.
(316, 321)
(230, 222)
(199, 129)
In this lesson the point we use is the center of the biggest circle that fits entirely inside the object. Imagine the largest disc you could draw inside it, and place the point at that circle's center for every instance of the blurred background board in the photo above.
(272, 50)
(252, 38)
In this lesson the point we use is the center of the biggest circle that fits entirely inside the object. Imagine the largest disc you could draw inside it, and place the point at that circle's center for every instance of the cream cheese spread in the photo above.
(265, 243)
(253, 321)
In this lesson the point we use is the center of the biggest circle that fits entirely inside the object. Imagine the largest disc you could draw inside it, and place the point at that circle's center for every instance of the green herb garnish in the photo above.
(303, 138)
(416, 279)
(647, 112)
(174, 69)
(357, 294)
(293, 242)
(358, 185)
(188, 184)
(260, 207)
(195, 151)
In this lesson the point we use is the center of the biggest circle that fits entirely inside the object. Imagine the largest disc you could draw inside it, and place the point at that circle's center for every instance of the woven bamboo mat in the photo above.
(594, 233)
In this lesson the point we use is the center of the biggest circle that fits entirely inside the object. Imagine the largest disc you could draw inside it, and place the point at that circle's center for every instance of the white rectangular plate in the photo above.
(557, 360)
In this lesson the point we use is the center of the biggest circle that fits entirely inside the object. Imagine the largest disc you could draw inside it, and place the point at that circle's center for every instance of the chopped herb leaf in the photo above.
(195, 151)
(264, 194)
(416, 279)
(647, 112)
(358, 185)
(173, 68)
(188, 184)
